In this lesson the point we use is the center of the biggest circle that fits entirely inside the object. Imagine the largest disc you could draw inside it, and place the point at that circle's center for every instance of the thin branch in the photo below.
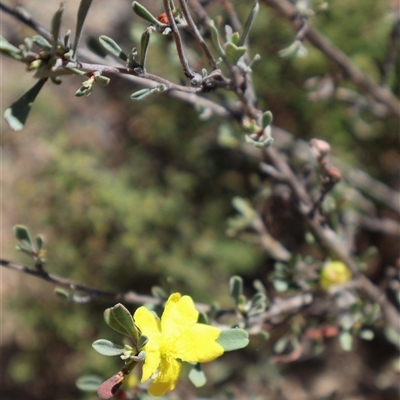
(274, 248)
(110, 70)
(130, 297)
(282, 306)
(380, 94)
(392, 52)
(195, 32)
(386, 226)
(21, 14)
(178, 41)
(329, 239)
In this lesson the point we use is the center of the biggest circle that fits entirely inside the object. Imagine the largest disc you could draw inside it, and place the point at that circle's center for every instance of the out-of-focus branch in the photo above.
(129, 297)
(328, 239)
(380, 94)
(21, 14)
(386, 226)
(391, 52)
(195, 32)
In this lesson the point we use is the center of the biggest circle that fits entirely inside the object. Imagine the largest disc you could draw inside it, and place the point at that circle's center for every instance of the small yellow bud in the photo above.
(333, 273)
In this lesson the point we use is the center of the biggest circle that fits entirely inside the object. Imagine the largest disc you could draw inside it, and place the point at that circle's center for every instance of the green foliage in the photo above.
(233, 339)
(17, 114)
(134, 194)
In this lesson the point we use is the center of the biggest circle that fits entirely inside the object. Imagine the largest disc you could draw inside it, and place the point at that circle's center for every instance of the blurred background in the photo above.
(134, 194)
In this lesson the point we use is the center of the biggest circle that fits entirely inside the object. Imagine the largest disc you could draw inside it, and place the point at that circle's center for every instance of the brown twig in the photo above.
(328, 238)
(178, 41)
(21, 14)
(192, 28)
(380, 94)
(130, 297)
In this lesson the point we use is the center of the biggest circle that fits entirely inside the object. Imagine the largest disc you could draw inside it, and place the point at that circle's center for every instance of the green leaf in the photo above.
(62, 293)
(144, 46)
(96, 47)
(55, 27)
(132, 63)
(366, 334)
(263, 141)
(113, 323)
(124, 318)
(249, 23)
(111, 46)
(41, 42)
(10, 50)
(233, 339)
(236, 288)
(346, 341)
(89, 383)
(142, 12)
(102, 80)
(266, 119)
(39, 242)
(141, 94)
(259, 286)
(215, 38)
(244, 207)
(21, 233)
(82, 13)
(233, 52)
(83, 90)
(107, 348)
(197, 377)
(280, 345)
(67, 39)
(280, 285)
(142, 342)
(17, 114)
(258, 303)
(235, 38)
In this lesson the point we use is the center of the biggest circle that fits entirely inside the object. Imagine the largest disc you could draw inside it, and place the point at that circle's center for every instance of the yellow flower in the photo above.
(177, 336)
(333, 273)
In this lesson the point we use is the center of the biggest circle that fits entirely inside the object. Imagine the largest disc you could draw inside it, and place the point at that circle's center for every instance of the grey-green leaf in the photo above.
(249, 23)
(8, 49)
(21, 233)
(111, 46)
(55, 26)
(62, 293)
(113, 323)
(233, 339)
(124, 318)
(233, 52)
(82, 13)
(144, 46)
(142, 93)
(236, 287)
(107, 348)
(197, 377)
(266, 119)
(142, 12)
(89, 383)
(346, 341)
(41, 42)
(17, 114)
(215, 38)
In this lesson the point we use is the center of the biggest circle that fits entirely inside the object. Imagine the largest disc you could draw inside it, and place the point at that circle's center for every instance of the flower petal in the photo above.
(179, 315)
(198, 344)
(149, 325)
(167, 378)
